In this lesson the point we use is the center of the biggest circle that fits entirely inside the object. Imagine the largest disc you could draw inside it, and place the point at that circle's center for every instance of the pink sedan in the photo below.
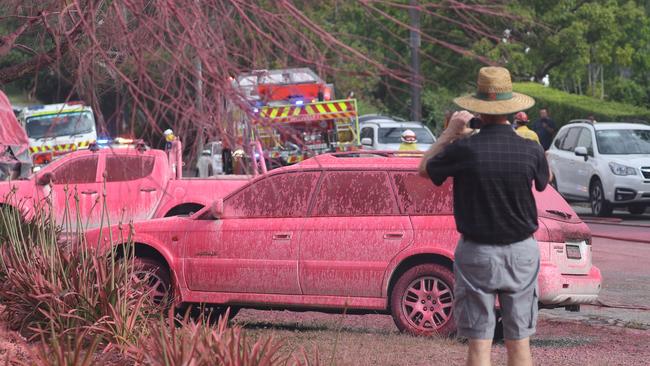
(343, 231)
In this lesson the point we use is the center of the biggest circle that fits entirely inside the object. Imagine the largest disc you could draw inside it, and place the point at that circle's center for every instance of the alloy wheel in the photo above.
(427, 303)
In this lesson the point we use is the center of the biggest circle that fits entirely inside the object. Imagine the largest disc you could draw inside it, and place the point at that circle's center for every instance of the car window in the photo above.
(128, 167)
(559, 139)
(571, 138)
(585, 140)
(77, 171)
(418, 196)
(626, 141)
(393, 135)
(367, 132)
(280, 195)
(360, 193)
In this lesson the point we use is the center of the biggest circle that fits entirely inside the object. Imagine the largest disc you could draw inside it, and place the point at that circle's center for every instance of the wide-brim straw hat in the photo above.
(494, 94)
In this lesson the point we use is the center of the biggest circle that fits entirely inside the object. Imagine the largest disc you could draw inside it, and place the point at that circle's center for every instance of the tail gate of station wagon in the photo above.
(336, 232)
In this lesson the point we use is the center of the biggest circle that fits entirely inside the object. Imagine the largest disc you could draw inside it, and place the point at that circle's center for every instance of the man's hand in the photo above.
(457, 129)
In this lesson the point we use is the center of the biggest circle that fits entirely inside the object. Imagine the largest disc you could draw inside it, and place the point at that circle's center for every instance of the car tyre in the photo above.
(157, 277)
(422, 299)
(637, 209)
(599, 205)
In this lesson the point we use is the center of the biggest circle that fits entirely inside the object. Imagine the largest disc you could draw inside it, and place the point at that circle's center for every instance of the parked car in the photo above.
(605, 163)
(363, 232)
(384, 133)
(138, 185)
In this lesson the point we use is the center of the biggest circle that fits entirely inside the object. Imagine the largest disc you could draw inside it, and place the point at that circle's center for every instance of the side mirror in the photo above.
(45, 179)
(581, 151)
(366, 141)
(216, 210)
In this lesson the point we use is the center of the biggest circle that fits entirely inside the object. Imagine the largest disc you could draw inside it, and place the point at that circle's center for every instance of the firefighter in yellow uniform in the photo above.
(409, 141)
(521, 128)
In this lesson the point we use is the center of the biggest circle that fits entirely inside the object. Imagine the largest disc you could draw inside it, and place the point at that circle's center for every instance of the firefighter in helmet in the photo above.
(521, 128)
(409, 141)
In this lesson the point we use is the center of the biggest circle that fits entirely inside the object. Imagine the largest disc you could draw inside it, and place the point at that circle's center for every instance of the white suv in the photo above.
(606, 163)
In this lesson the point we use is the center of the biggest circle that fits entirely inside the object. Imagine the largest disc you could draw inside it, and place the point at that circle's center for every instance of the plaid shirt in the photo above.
(493, 173)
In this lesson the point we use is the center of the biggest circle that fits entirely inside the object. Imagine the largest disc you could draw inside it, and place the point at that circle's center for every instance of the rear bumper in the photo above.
(557, 290)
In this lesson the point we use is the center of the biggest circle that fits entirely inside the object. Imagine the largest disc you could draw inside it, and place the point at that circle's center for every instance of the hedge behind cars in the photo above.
(564, 107)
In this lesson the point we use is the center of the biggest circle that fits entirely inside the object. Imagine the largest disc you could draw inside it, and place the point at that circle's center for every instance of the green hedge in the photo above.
(564, 107)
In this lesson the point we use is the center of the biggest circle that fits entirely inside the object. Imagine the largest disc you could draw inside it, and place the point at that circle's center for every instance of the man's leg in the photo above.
(519, 352)
(479, 351)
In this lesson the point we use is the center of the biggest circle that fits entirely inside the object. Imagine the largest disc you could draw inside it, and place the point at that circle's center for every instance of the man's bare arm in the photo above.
(457, 129)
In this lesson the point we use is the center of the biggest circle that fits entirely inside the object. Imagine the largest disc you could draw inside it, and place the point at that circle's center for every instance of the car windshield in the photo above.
(63, 124)
(393, 135)
(617, 142)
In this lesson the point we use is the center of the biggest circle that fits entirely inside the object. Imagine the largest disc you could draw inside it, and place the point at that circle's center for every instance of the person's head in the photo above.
(494, 99)
(169, 135)
(521, 118)
(543, 112)
(408, 137)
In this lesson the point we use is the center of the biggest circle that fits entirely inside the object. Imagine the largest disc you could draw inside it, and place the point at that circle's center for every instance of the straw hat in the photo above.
(494, 94)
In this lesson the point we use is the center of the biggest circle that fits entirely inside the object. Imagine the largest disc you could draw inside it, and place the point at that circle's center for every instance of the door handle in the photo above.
(282, 236)
(88, 192)
(393, 236)
(147, 189)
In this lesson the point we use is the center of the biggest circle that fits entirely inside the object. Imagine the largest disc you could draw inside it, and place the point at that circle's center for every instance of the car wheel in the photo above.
(422, 301)
(599, 205)
(157, 277)
(637, 209)
(210, 170)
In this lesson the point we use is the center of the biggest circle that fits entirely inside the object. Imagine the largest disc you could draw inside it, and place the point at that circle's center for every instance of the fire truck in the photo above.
(293, 117)
(58, 129)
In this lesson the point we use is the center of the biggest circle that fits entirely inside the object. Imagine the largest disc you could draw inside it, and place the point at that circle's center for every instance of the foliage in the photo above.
(564, 106)
(197, 342)
(54, 285)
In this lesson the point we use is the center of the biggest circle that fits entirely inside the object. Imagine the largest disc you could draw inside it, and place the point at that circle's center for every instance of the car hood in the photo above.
(633, 160)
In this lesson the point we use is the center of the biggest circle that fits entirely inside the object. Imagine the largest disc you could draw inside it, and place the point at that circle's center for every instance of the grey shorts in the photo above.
(484, 272)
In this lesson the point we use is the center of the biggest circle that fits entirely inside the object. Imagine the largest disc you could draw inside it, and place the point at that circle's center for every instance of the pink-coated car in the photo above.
(137, 185)
(343, 231)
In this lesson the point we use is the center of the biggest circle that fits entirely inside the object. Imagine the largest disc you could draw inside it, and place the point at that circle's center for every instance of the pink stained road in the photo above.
(620, 231)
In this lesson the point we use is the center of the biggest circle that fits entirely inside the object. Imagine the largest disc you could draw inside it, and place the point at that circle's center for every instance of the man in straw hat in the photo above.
(495, 213)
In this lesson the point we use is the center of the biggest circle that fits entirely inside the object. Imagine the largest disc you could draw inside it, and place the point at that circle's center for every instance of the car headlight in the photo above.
(620, 169)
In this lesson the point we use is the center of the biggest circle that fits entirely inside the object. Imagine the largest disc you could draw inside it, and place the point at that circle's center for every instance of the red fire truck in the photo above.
(294, 117)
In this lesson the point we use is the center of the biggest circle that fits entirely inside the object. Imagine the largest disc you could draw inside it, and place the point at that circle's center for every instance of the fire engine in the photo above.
(58, 129)
(293, 116)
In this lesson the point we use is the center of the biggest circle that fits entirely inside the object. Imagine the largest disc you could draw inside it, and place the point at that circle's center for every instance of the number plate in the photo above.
(573, 252)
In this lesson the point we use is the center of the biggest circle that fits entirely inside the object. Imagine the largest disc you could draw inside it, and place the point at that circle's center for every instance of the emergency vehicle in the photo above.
(294, 116)
(57, 129)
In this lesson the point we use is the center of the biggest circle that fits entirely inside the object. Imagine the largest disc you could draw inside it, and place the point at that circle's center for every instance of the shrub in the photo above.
(198, 343)
(54, 285)
(564, 106)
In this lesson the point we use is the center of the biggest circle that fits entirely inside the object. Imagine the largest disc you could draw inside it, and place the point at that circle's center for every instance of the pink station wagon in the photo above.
(362, 233)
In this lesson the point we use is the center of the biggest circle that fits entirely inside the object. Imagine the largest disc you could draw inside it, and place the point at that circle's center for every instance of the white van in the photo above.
(57, 129)
(384, 133)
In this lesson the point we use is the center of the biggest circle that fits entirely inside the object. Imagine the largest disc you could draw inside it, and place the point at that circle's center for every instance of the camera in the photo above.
(475, 123)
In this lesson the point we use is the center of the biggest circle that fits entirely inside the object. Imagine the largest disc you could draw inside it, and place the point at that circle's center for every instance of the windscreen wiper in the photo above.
(560, 213)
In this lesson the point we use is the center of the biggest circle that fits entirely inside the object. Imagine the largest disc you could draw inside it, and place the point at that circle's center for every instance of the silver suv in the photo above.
(606, 163)
(384, 133)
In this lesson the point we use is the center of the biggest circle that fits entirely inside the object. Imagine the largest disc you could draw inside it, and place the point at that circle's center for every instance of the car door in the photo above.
(253, 247)
(132, 190)
(580, 168)
(430, 208)
(75, 193)
(566, 163)
(353, 231)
